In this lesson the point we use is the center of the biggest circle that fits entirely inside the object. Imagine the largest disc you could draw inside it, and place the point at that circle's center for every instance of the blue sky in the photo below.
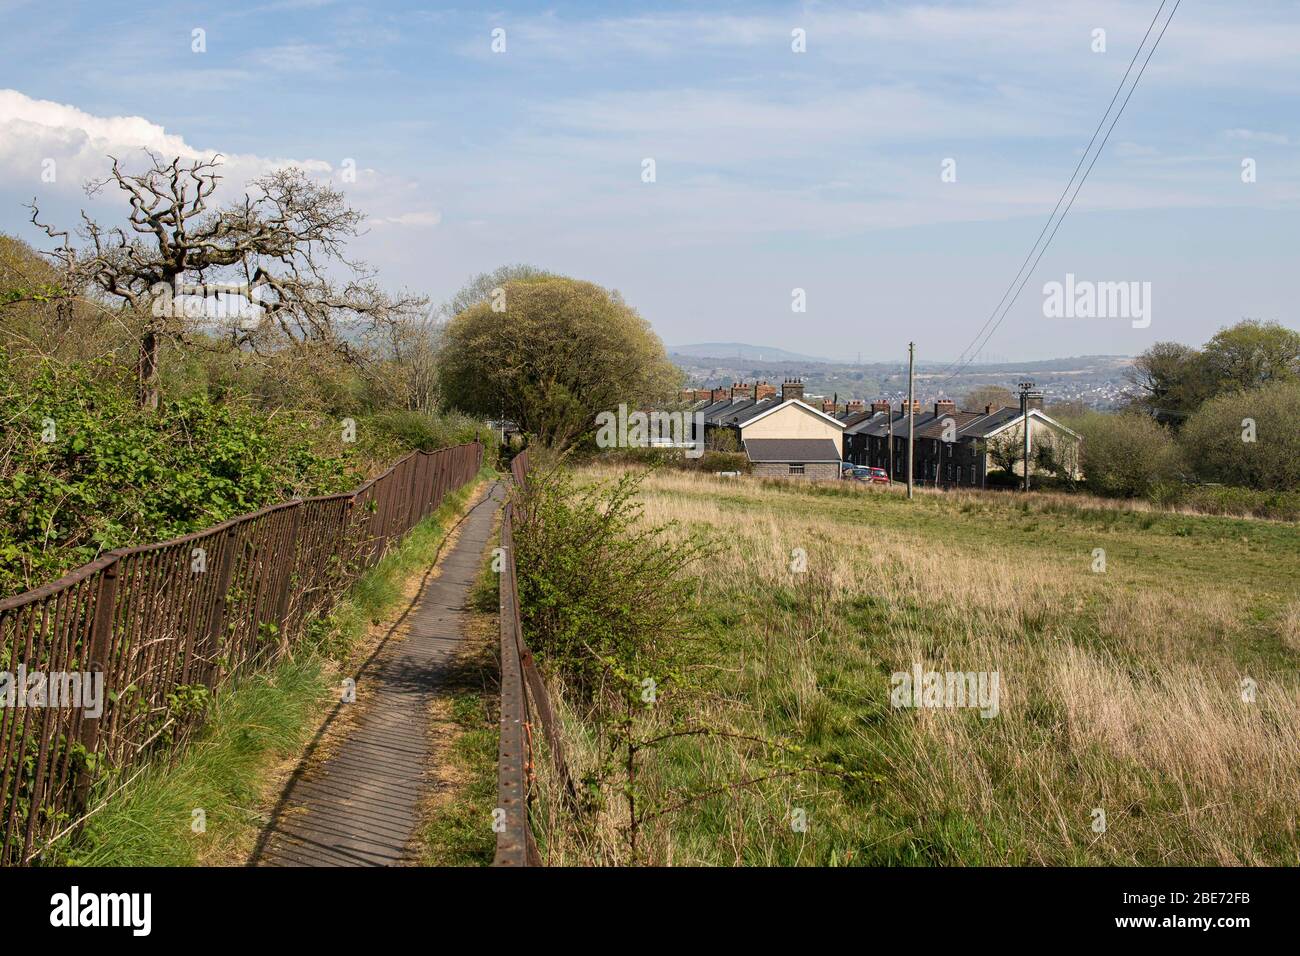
(775, 170)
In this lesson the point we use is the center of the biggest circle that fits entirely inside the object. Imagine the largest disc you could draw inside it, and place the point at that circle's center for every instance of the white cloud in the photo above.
(34, 131)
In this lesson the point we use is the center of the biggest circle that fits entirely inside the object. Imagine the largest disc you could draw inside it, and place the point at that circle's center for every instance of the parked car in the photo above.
(875, 476)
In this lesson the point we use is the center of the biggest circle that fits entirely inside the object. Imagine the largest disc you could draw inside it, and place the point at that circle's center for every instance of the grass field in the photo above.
(1121, 692)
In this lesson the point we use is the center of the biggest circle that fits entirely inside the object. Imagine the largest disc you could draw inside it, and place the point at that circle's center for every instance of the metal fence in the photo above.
(166, 623)
(523, 694)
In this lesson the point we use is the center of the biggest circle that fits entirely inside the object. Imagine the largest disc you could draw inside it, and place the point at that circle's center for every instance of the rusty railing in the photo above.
(523, 693)
(163, 623)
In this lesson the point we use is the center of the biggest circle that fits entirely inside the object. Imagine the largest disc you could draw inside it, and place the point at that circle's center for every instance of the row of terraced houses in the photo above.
(785, 435)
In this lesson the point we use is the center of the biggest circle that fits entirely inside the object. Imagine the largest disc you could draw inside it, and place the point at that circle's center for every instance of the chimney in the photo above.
(1036, 401)
(877, 407)
(740, 390)
(718, 394)
(791, 388)
(688, 395)
(944, 406)
(764, 390)
(991, 408)
(916, 406)
(857, 405)
(828, 406)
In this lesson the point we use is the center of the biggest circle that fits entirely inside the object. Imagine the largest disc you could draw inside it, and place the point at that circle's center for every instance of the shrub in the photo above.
(602, 597)
(1127, 455)
(427, 431)
(83, 470)
(1215, 438)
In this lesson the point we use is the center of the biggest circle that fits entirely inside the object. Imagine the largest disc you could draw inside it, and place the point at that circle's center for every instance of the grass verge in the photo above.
(206, 805)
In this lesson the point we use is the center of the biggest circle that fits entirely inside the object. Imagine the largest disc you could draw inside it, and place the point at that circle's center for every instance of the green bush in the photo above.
(83, 470)
(1224, 446)
(1127, 455)
(602, 596)
(430, 432)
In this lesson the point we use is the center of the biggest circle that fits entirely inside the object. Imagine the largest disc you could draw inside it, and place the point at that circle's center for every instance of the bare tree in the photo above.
(274, 253)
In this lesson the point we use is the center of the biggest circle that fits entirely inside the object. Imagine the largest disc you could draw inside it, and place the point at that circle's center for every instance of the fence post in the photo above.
(291, 561)
(101, 630)
(217, 622)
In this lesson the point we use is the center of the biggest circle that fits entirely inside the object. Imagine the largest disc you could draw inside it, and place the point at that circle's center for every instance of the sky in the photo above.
(774, 170)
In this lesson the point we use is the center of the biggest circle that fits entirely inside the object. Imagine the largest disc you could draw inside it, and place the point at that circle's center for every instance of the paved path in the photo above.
(360, 807)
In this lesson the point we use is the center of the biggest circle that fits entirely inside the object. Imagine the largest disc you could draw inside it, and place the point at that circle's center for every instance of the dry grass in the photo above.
(1120, 691)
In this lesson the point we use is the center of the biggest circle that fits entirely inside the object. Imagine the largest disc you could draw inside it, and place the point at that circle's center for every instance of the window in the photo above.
(796, 469)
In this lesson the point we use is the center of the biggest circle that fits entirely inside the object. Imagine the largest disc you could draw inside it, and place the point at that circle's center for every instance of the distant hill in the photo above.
(742, 351)
(1098, 381)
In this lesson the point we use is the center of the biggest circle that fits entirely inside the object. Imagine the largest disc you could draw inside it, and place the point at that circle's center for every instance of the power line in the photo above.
(962, 365)
(1060, 199)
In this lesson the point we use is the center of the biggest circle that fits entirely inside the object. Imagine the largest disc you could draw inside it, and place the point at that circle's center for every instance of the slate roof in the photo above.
(982, 425)
(800, 450)
(749, 411)
(716, 412)
(934, 427)
(857, 418)
(862, 425)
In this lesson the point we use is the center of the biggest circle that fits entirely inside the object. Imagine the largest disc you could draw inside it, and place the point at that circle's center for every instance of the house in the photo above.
(955, 448)
(789, 438)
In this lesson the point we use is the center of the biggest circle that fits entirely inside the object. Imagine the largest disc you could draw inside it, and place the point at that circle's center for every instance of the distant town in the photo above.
(1091, 381)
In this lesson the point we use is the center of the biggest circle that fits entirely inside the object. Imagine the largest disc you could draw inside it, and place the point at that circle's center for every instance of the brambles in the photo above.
(599, 593)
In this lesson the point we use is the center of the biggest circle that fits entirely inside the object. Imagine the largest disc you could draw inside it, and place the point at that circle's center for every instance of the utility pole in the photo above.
(1025, 389)
(911, 416)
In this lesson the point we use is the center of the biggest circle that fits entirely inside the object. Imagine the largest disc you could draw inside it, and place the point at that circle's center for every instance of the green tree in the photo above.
(1007, 451)
(1248, 437)
(480, 287)
(550, 353)
(1172, 380)
(1250, 354)
(1127, 455)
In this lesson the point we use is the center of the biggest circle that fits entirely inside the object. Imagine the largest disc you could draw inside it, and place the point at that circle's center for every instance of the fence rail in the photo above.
(523, 693)
(165, 623)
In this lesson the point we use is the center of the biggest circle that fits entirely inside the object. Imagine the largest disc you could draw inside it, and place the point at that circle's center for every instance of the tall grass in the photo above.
(1122, 691)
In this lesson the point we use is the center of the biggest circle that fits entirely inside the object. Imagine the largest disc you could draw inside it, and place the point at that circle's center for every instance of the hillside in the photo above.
(1097, 381)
